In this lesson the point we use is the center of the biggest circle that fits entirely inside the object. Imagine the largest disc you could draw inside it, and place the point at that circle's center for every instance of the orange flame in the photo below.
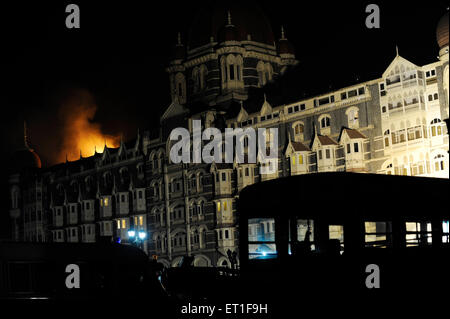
(81, 136)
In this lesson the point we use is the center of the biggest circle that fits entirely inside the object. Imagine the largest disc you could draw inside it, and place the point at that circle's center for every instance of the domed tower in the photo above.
(24, 162)
(25, 158)
(230, 48)
(442, 37)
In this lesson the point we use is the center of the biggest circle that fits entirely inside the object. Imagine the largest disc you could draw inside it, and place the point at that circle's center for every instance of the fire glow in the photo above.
(81, 135)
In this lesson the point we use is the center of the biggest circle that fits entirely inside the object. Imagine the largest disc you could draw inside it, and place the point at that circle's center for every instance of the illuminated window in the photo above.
(293, 160)
(105, 201)
(445, 231)
(418, 233)
(261, 238)
(377, 234)
(141, 220)
(118, 224)
(300, 159)
(124, 224)
(305, 237)
(218, 206)
(225, 206)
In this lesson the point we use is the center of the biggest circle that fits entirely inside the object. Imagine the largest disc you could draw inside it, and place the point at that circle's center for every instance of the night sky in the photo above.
(122, 48)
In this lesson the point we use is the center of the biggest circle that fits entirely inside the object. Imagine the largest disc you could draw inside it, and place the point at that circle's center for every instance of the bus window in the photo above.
(261, 238)
(337, 232)
(418, 234)
(445, 232)
(305, 236)
(378, 234)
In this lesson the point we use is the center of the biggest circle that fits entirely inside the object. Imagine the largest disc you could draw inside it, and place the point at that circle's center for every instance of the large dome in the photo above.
(246, 16)
(25, 159)
(442, 31)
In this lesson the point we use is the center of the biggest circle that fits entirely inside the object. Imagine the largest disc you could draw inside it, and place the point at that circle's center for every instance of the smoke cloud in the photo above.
(81, 135)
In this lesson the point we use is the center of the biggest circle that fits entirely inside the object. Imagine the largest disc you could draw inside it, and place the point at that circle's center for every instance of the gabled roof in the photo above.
(300, 147)
(174, 109)
(266, 107)
(352, 133)
(326, 140)
(398, 60)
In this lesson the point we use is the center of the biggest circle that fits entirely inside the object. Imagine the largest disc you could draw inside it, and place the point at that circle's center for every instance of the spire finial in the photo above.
(81, 155)
(25, 137)
(265, 98)
(282, 33)
(67, 159)
(95, 149)
(396, 50)
(229, 17)
(179, 38)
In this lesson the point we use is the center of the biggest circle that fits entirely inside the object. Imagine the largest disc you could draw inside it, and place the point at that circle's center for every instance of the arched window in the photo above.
(353, 117)
(439, 163)
(299, 129)
(386, 138)
(436, 127)
(325, 122)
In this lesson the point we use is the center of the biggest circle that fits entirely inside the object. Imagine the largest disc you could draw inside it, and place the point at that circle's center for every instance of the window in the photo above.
(289, 110)
(325, 122)
(261, 238)
(361, 90)
(348, 148)
(302, 107)
(140, 194)
(327, 153)
(300, 159)
(337, 232)
(320, 154)
(418, 233)
(224, 177)
(439, 163)
(225, 206)
(303, 241)
(218, 207)
(343, 96)
(356, 147)
(226, 234)
(299, 129)
(386, 138)
(246, 171)
(124, 224)
(378, 234)
(141, 220)
(296, 108)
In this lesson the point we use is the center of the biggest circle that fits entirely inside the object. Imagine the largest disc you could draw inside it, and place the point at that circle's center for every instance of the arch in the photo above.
(202, 261)
(176, 261)
(223, 262)
(324, 120)
(164, 262)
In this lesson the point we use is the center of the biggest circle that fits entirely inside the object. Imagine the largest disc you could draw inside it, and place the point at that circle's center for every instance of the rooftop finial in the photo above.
(81, 155)
(179, 38)
(229, 17)
(396, 50)
(25, 137)
(67, 160)
(265, 99)
(282, 33)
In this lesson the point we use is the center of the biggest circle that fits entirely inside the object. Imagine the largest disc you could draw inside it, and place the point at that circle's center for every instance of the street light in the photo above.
(138, 238)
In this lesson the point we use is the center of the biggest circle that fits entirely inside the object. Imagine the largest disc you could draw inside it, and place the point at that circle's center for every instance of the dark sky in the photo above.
(120, 52)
